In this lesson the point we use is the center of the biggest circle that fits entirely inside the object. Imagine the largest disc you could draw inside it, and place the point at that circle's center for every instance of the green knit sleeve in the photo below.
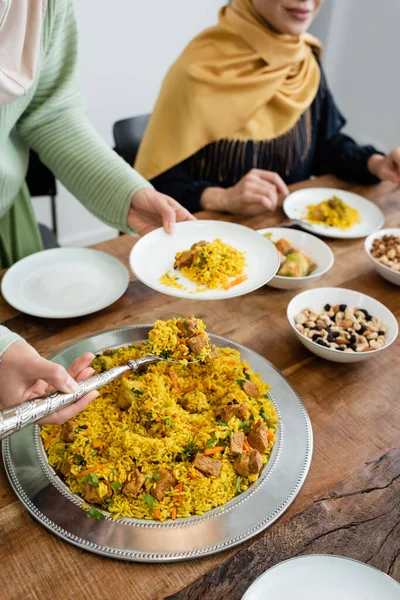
(7, 338)
(55, 125)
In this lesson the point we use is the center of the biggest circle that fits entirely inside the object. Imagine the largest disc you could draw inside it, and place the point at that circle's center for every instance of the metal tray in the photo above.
(49, 500)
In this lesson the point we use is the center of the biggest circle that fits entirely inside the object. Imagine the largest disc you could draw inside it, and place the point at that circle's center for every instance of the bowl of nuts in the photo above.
(341, 325)
(383, 248)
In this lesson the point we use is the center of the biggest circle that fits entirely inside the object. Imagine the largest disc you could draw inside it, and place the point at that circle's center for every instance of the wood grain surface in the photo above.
(353, 409)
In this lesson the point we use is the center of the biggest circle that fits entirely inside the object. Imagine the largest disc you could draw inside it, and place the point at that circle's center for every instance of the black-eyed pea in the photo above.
(381, 338)
(338, 317)
(356, 326)
(310, 324)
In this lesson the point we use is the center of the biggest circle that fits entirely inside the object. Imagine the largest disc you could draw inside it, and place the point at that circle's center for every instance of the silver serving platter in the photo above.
(49, 500)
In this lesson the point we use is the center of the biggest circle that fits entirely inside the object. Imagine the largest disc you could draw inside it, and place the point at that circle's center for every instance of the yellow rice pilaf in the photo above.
(157, 420)
(333, 213)
(214, 265)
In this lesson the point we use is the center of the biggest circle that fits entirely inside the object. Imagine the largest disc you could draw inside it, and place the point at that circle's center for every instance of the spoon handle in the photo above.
(17, 417)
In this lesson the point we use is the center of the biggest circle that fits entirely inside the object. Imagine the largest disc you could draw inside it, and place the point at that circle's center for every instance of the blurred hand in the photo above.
(255, 193)
(24, 374)
(387, 167)
(150, 209)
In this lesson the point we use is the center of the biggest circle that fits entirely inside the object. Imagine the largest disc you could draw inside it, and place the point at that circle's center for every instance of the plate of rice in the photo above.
(179, 461)
(333, 213)
(204, 260)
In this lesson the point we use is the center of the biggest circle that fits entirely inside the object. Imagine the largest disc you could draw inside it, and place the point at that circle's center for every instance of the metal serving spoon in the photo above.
(17, 417)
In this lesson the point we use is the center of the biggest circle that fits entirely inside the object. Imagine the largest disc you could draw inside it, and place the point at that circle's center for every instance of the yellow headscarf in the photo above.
(221, 80)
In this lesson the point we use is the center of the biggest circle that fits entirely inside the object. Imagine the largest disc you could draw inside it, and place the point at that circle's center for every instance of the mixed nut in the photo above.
(342, 328)
(387, 250)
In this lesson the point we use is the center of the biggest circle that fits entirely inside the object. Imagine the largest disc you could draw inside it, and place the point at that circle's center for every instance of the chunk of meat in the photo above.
(97, 495)
(197, 343)
(68, 431)
(284, 246)
(65, 467)
(207, 465)
(133, 484)
(236, 444)
(213, 354)
(188, 326)
(232, 410)
(165, 482)
(183, 259)
(251, 389)
(249, 463)
(198, 244)
(257, 437)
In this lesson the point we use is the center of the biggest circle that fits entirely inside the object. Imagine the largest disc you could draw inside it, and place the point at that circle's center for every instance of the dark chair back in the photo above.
(128, 135)
(41, 182)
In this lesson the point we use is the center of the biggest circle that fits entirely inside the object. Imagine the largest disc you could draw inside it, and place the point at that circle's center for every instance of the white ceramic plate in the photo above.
(154, 254)
(315, 248)
(323, 577)
(372, 217)
(64, 283)
(385, 272)
(318, 297)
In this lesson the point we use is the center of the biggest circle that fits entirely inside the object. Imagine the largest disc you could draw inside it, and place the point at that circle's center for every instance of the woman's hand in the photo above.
(24, 374)
(387, 167)
(255, 193)
(150, 209)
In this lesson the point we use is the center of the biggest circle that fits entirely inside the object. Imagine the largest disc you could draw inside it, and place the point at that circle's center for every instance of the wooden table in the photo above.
(350, 503)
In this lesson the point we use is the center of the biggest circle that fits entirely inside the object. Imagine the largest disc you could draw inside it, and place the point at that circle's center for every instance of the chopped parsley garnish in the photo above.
(149, 501)
(202, 260)
(240, 382)
(223, 423)
(109, 501)
(190, 450)
(251, 417)
(229, 436)
(156, 476)
(137, 392)
(165, 355)
(168, 421)
(79, 459)
(93, 513)
(247, 376)
(92, 479)
(116, 485)
(94, 452)
(239, 485)
(267, 396)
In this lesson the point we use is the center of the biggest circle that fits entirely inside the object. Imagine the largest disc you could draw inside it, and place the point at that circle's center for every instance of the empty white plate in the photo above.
(323, 577)
(64, 283)
(154, 254)
(372, 218)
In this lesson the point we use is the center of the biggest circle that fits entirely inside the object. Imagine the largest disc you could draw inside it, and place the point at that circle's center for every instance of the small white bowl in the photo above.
(316, 249)
(385, 272)
(318, 297)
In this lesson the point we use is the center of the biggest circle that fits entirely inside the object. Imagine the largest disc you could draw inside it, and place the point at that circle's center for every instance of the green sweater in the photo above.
(52, 120)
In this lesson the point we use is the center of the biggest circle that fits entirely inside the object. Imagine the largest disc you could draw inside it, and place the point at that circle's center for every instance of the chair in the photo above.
(41, 182)
(128, 134)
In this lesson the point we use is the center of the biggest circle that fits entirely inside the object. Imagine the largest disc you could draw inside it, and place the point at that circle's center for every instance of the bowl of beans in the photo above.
(383, 248)
(341, 325)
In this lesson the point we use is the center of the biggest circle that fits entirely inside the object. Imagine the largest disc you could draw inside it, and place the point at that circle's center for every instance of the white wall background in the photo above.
(127, 46)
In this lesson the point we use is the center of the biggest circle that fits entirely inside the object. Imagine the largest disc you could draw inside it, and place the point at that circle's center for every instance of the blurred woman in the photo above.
(246, 110)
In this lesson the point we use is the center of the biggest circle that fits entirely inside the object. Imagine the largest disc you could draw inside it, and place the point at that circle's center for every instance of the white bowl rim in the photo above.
(375, 236)
(305, 277)
(343, 290)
